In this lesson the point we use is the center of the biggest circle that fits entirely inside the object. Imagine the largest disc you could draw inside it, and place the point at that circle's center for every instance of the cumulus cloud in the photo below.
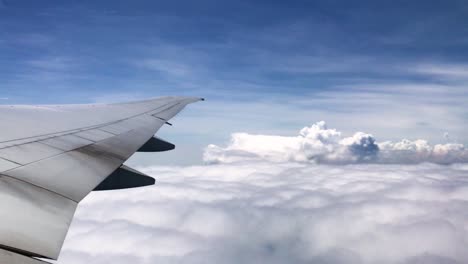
(255, 211)
(319, 144)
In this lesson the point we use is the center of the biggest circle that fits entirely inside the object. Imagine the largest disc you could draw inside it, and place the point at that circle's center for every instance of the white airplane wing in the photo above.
(51, 157)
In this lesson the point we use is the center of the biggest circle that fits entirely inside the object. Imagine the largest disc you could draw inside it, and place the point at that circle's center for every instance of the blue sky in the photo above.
(396, 69)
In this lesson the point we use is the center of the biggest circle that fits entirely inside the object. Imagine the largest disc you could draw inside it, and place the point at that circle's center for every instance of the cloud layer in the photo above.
(319, 144)
(318, 197)
(256, 211)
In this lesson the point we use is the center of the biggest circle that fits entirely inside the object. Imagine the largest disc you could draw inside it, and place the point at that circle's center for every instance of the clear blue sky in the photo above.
(397, 69)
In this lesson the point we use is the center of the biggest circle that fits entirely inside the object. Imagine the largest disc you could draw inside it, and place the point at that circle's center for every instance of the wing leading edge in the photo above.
(51, 157)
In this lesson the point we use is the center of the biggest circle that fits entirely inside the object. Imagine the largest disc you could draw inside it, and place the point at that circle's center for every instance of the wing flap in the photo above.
(34, 221)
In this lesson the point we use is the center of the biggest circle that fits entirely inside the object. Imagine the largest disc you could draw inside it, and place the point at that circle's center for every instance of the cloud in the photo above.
(52, 63)
(256, 211)
(319, 144)
(168, 67)
(318, 197)
(447, 71)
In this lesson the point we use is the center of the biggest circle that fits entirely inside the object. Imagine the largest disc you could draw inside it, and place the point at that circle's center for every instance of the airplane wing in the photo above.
(51, 157)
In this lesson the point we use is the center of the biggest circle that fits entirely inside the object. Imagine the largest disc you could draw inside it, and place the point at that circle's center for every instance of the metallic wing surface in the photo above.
(51, 157)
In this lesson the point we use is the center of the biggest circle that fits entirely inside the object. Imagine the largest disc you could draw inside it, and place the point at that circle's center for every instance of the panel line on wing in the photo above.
(49, 188)
(17, 154)
(104, 152)
(35, 185)
(10, 161)
(67, 142)
(71, 131)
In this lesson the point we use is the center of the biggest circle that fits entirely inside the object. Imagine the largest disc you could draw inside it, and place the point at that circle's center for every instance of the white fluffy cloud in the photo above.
(279, 212)
(315, 198)
(319, 144)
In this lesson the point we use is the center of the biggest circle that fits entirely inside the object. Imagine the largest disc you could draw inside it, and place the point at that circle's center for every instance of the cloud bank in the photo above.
(263, 212)
(319, 144)
(318, 197)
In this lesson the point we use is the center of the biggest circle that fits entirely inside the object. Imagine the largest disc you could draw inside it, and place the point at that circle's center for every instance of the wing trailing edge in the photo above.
(9, 257)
